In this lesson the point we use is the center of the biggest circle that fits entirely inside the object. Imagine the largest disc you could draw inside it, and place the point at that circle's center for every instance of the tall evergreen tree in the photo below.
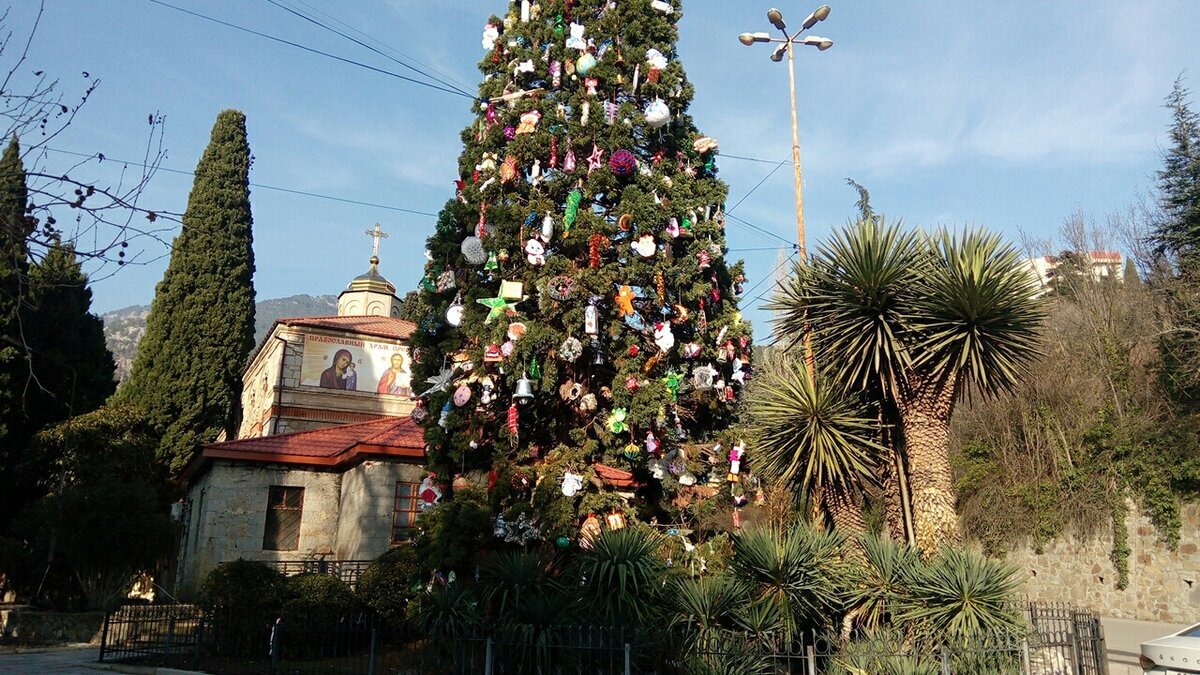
(15, 226)
(584, 255)
(70, 362)
(1178, 234)
(200, 329)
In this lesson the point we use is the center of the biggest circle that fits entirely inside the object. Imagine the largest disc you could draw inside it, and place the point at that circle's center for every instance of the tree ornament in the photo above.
(610, 112)
(563, 542)
(491, 33)
(652, 444)
(589, 531)
(535, 369)
(509, 170)
(657, 114)
(535, 252)
(472, 251)
(632, 383)
(663, 337)
(429, 492)
(529, 122)
(444, 417)
(645, 246)
(673, 380)
(419, 412)
(703, 260)
(692, 349)
(585, 113)
(590, 85)
(454, 313)
(547, 227)
(570, 350)
(624, 300)
(595, 243)
(497, 307)
(623, 163)
(570, 391)
(556, 74)
(705, 145)
(462, 395)
(575, 39)
(572, 483)
(493, 262)
(553, 163)
(510, 132)
(512, 290)
(736, 453)
(587, 403)
(569, 161)
(574, 198)
(585, 64)
(560, 287)
(513, 420)
(615, 520)
(631, 451)
(595, 159)
(446, 281)
(591, 317)
(616, 421)
(493, 354)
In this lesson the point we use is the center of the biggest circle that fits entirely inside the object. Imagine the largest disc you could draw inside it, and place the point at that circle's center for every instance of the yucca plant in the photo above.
(513, 581)
(882, 581)
(796, 568)
(961, 595)
(814, 435)
(916, 321)
(620, 577)
(448, 612)
(705, 608)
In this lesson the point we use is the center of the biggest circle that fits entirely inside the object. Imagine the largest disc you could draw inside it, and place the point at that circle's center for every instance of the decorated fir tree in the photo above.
(579, 315)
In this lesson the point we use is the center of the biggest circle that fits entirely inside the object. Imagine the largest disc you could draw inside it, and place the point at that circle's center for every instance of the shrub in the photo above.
(317, 597)
(454, 532)
(387, 586)
(244, 599)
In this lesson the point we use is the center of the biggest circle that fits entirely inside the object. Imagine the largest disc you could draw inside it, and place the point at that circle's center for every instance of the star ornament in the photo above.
(499, 306)
(439, 382)
(595, 159)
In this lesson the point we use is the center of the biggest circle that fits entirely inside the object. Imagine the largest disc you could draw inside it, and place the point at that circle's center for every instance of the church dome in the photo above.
(372, 281)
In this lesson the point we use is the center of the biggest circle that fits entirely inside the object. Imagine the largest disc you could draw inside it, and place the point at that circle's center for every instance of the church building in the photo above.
(327, 464)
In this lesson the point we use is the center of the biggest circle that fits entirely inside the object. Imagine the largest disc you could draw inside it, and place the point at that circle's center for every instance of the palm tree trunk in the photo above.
(925, 416)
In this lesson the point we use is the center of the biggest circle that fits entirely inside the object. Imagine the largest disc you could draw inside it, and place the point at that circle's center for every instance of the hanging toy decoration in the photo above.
(454, 313)
(595, 243)
(547, 228)
(645, 246)
(736, 454)
(585, 64)
(616, 421)
(624, 300)
(595, 159)
(429, 492)
(571, 484)
(673, 380)
(472, 251)
(535, 252)
(663, 337)
(570, 350)
(572, 213)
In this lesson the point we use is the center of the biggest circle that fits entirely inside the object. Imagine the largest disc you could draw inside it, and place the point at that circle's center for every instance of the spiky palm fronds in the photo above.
(881, 587)
(976, 314)
(961, 594)
(621, 575)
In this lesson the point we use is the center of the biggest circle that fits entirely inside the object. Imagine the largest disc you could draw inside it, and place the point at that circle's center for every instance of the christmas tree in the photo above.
(579, 315)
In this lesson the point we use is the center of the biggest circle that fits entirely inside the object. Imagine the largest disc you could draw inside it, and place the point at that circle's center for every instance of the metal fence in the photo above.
(1061, 641)
(347, 570)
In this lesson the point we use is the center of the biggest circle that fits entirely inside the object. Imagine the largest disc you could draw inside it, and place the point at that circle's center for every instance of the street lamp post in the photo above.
(787, 47)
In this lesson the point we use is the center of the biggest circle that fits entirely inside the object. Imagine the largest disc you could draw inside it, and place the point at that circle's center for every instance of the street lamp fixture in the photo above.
(785, 47)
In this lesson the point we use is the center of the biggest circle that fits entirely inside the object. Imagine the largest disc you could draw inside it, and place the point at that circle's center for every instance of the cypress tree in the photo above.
(15, 227)
(200, 329)
(584, 256)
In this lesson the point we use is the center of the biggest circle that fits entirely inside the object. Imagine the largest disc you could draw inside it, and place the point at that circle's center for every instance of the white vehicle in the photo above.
(1175, 654)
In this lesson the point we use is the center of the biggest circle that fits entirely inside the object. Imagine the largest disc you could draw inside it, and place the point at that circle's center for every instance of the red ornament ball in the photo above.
(623, 163)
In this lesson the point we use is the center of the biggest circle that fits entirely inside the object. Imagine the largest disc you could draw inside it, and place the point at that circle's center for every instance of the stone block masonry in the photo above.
(1164, 584)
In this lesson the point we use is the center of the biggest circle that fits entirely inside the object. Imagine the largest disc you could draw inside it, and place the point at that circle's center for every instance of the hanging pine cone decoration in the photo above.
(623, 163)
(521, 480)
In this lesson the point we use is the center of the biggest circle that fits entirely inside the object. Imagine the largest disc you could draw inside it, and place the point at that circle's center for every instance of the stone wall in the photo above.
(21, 624)
(368, 501)
(1164, 584)
(226, 512)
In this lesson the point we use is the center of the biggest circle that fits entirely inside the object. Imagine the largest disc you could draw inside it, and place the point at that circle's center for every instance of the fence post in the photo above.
(1076, 655)
(811, 653)
(371, 664)
(104, 634)
(945, 660)
(170, 633)
(1026, 669)
(274, 647)
(487, 658)
(200, 623)
(628, 659)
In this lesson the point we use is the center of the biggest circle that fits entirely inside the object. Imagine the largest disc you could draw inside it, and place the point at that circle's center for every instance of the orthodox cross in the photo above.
(376, 234)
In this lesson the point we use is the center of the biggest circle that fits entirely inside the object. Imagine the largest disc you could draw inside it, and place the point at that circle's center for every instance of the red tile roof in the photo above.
(331, 446)
(379, 326)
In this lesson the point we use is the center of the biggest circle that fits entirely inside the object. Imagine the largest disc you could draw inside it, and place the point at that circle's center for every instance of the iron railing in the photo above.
(347, 570)
(157, 634)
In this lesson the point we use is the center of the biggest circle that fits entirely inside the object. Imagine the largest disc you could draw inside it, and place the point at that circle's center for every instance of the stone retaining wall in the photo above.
(20, 624)
(1164, 584)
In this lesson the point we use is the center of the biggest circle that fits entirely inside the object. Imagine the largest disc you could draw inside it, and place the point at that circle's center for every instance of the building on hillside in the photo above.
(327, 461)
(1101, 264)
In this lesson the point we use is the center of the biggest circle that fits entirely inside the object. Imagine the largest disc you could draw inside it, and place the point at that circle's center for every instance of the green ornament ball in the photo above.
(562, 542)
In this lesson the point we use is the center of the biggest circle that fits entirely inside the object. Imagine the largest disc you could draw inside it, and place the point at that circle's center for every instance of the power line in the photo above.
(756, 228)
(312, 50)
(369, 47)
(261, 186)
(769, 277)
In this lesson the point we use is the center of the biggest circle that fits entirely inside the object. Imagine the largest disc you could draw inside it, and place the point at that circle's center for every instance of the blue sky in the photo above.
(1004, 115)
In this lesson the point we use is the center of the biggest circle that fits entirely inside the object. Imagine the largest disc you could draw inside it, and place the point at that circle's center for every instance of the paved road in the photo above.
(1123, 638)
(69, 660)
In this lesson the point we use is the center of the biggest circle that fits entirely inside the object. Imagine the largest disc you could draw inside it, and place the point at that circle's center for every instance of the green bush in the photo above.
(387, 586)
(455, 532)
(244, 598)
(317, 597)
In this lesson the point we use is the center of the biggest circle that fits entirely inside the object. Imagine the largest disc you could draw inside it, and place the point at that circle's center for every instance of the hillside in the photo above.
(124, 327)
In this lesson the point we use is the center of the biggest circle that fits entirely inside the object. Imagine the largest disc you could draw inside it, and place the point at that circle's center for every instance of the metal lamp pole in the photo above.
(786, 46)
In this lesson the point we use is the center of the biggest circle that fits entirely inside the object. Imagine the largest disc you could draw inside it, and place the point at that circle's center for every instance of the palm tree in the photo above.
(812, 434)
(916, 321)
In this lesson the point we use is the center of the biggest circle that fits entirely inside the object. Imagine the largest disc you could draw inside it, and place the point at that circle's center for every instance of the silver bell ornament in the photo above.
(454, 313)
(524, 391)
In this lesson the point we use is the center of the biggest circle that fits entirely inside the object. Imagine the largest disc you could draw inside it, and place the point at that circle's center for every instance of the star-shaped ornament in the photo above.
(499, 306)
(439, 382)
(595, 159)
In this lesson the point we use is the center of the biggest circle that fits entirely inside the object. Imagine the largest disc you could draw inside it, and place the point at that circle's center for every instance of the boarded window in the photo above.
(404, 512)
(284, 507)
